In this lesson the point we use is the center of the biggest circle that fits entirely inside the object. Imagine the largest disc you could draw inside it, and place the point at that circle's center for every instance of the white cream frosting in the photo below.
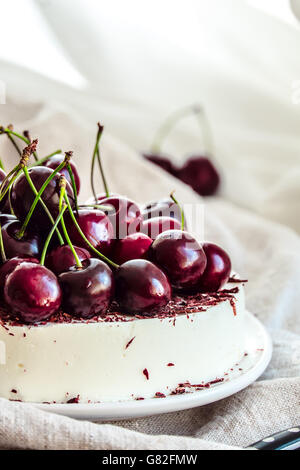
(94, 361)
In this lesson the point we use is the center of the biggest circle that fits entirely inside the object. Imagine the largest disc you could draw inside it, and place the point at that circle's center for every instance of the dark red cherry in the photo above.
(218, 268)
(125, 215)
(161, 161)
(5, 218)
(32, 292)
(153, 227)
(10, 265)
(96, 227)
(100, 197)
(4, 204)
(181, 257)
(133, 246)
(201, 175)
(61, 258)
(141, 286)
(22, 197)
(87, 291)
(163, 208)
(55, 161)
(30, 245)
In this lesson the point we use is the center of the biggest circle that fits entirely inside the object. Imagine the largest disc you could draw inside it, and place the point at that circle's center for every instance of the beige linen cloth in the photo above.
(267, 253)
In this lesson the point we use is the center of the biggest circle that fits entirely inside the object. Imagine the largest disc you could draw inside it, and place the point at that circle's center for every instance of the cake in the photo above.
(108, 300)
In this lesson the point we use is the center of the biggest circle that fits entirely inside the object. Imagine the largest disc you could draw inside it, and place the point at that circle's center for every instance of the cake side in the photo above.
(138, 357)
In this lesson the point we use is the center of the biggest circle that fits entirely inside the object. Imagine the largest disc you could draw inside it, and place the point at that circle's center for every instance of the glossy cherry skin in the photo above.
(5, 218)
(10, 265)
(28, 246)
(161, 161)
(201, 175)
(162, 208)
(96, 227)
(125, 215)
(181, 257)
(133, 246)
(87, 291)
(141, 286)
(218, 268)
(32, 292)
(157, 225)
(61, 258)
(22, 197)
(100, 197)
(55, 161)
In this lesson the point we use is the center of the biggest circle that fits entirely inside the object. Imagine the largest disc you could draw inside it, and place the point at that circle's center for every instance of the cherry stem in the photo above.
(2, 250)
(172, 120)
(101, 166)
(62, 184)
(38, 197)
(43, 160)
(96, 153)
(107, 260)
(180, 208)
(69, 168)
(12, 176)
(10, 132)
(50, 235)
(1, 165)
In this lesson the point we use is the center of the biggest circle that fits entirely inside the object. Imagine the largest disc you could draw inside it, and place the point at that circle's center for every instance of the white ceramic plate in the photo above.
(259, 349)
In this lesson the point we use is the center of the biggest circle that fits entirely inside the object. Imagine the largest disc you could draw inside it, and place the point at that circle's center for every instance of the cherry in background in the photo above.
(10, 265)
(5, 218)
(61, 258)
(87, 291)
(218, 268)
(200, 173)
(96, 227)
(32, 292)
(30, 245)
(141, 286)
(181, 257)
(55, 161)
(22, 197)
(162, 161)
(157, 225)
(133, 246)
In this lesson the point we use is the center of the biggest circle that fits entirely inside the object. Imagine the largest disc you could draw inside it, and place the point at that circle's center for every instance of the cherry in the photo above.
(100, 197)
(201, 175)
(87, 291)
(55, 161)
(157, 225)
(161, 161)
(141, 286)
(22, 197)
(163, 208)
(125, 215)
(4, 204)
(5, 218)
(10, 265)
(181, 257)
(133, 246)
(96, 227)
(218, 268)
(60, 259)
(32, 292)
(29, 245)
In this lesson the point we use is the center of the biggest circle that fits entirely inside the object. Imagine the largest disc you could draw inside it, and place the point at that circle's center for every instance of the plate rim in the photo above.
(131, 409)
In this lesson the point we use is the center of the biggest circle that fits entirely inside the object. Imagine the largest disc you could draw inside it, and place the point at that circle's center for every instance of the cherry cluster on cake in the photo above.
(60, 254)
